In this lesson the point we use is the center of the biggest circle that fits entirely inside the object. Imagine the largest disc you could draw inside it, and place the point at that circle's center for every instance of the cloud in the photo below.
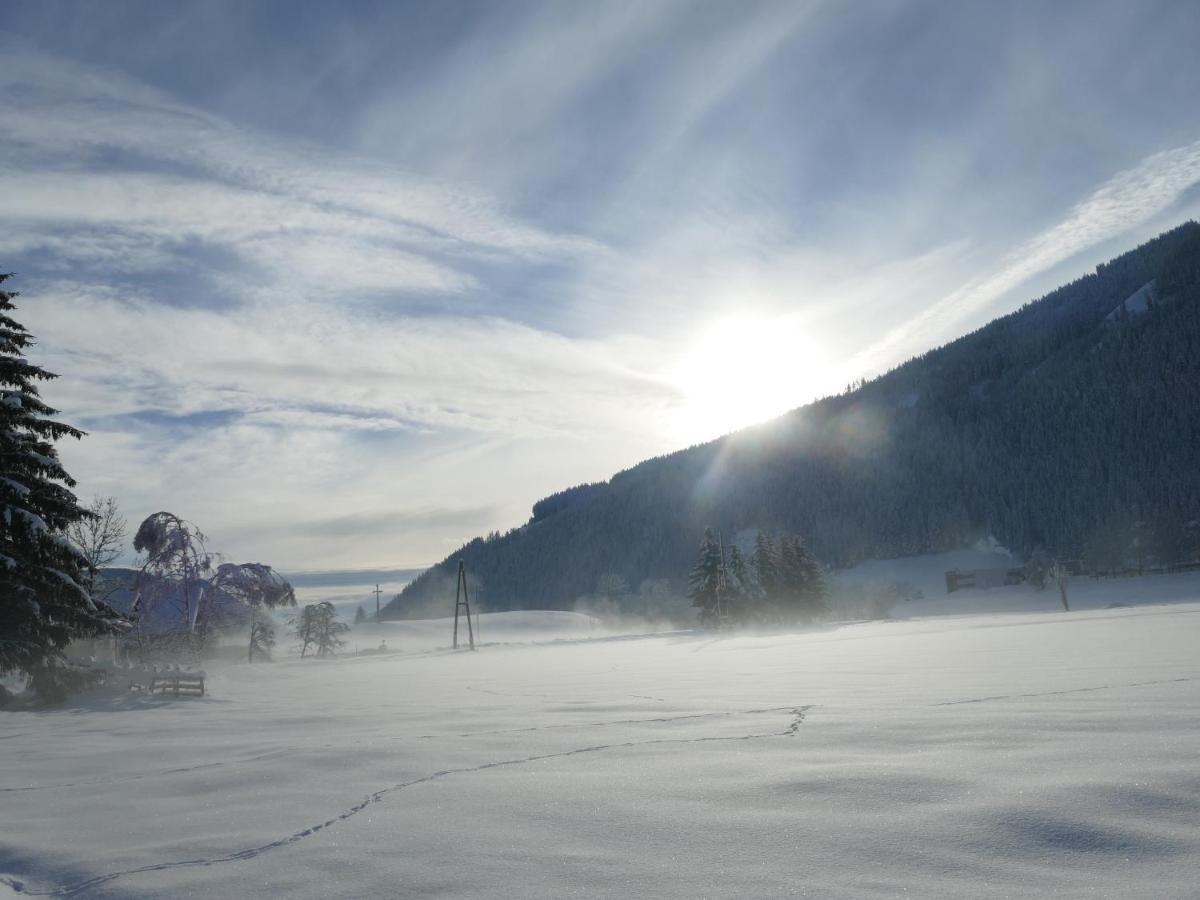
(145, 178)
(494, 107)
(477, 280)
(1125, 203)
(195, 266)
(256, 331)
(358, 524)
(331, 368)
(349, 577)
(251, 419)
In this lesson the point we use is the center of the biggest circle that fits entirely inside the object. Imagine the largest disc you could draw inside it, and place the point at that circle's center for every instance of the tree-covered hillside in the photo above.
(1072, 424)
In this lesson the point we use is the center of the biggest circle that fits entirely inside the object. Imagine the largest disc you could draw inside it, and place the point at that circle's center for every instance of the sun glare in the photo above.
(744, 369)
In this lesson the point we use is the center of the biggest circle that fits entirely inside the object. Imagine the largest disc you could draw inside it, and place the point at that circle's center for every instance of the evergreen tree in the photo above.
(360, 616)
(790, 575)
(800, 586)
(811, 582)
(43, 603)
(704, 583)
(739, 588)
(765, 563)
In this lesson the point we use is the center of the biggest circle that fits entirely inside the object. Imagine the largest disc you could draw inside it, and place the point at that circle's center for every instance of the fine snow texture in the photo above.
(1032, 754)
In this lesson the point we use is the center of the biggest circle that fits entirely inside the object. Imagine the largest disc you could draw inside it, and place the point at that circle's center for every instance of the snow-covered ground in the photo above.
(1001, 755)
(927, 574)
(517, 627)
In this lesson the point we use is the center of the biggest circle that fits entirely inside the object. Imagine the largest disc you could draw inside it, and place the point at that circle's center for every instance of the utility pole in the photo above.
(722, 578)
(377, 592)
(462, 604)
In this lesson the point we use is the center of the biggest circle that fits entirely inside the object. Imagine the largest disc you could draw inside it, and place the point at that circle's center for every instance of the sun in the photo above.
(743, 369)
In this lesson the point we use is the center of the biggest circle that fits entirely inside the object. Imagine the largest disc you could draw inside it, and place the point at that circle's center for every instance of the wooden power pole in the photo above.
(377, 592)
(722, 579)
(462, 604)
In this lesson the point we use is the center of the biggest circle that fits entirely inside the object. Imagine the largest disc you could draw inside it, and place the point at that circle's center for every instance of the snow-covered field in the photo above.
(928, 575)
(1002, 755)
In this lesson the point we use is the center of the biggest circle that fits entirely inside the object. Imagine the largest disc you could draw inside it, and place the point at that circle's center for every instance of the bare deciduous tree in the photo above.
(100, 536)
(257, 587)
(317, 625)
(174, 574)
(190, 586)
(262, 636)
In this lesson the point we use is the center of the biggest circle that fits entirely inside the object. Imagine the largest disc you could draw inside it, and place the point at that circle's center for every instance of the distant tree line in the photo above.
(1069, 426)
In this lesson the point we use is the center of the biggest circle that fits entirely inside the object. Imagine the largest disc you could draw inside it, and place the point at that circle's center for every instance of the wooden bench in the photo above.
(188, 684)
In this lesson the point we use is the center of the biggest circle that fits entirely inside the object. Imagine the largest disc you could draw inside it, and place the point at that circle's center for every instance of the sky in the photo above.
(348, 284)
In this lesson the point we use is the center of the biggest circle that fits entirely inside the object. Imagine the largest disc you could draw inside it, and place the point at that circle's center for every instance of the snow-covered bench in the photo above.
(178, 683)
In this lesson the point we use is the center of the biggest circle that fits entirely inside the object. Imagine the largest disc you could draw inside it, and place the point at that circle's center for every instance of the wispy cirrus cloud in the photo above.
(1125, 203)
(147, 178)
(232, 310)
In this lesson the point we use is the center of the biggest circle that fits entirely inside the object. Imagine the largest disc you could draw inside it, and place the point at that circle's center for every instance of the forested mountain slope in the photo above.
(1071, 424)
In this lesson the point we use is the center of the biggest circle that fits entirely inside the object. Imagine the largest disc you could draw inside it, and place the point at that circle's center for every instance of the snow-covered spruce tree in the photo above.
(789, 573)
(704, 583)
(812, 582)
(765, 564)
(43, 604)
(739, 589)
